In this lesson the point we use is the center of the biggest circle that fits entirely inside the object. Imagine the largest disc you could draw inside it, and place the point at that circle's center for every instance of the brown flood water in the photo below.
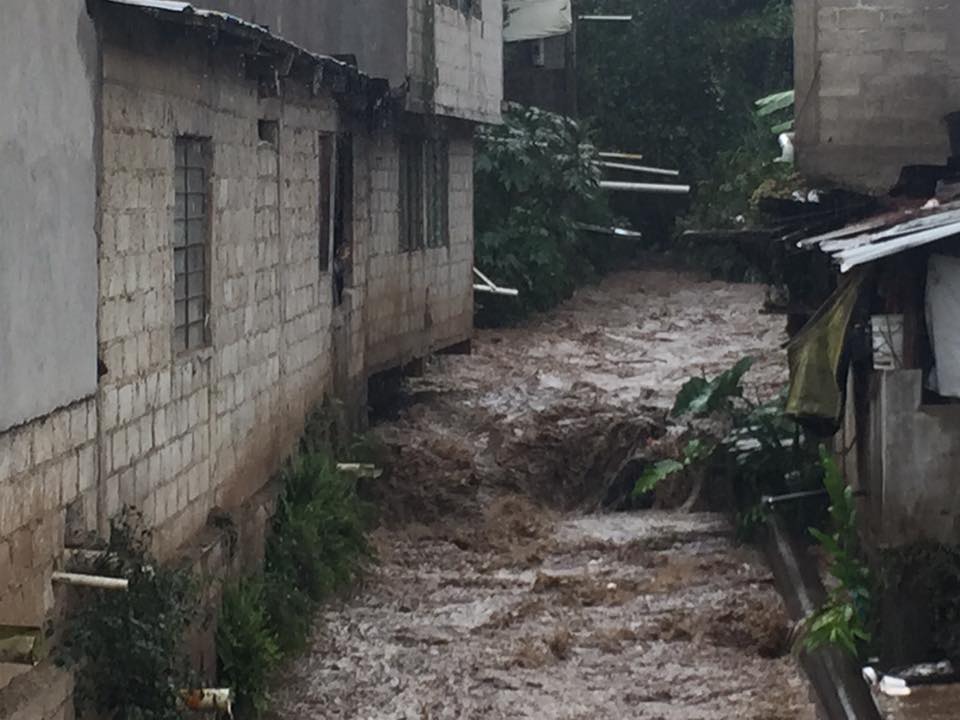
(496, 597)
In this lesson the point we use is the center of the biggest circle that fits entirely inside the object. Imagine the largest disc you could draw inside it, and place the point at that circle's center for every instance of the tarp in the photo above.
(818, 360)
(534, 19)
(943, 323)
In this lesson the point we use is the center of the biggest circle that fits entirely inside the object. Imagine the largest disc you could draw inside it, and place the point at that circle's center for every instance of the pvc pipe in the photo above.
(620, 156)
(645, 187)
(21, 645)
(91, 581)
(641, 169)
(606, 18)
(509, 292)
(366, 470)
(491, 287)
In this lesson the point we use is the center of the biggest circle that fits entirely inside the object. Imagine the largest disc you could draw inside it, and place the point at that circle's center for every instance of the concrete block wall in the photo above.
(184, 433)
(422, 300)
(469, 57)
(460, 55)
(47, 480)
(874, 79)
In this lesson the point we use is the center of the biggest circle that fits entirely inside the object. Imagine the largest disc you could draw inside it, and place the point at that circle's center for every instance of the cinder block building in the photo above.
(874, 80)
(207, 227)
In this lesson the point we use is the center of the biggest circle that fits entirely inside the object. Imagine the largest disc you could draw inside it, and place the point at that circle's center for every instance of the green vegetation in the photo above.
(844, 619)
(752, 446)
(128, 647)
(317, 548)
(679, 84)
(536, 178)
(761, 452)
(248, 649)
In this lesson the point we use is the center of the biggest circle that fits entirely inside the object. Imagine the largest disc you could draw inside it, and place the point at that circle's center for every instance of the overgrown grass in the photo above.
(318, 547)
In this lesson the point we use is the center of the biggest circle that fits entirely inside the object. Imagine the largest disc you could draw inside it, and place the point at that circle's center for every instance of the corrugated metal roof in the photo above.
(343, 76)
(886, 235)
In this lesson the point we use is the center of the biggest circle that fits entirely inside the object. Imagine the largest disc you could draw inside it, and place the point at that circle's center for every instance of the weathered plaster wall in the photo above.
(48, 276)
(874, 79)
(912, 486)
(372, 30)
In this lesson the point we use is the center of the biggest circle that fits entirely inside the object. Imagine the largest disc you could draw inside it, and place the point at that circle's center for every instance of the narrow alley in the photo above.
(501, 590)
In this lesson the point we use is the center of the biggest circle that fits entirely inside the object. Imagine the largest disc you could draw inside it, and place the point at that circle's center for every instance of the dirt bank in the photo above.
(500, 594)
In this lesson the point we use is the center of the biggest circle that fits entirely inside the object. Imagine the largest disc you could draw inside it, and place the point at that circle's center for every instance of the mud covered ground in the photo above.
(501, 591)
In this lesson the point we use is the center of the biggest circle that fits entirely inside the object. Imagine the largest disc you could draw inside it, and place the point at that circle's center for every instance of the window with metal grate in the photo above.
(191, 242)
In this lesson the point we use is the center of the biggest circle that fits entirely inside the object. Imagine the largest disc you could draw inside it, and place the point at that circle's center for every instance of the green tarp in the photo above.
(818, 362)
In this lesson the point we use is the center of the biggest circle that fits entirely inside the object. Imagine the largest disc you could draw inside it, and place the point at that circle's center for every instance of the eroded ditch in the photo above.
(501, 593)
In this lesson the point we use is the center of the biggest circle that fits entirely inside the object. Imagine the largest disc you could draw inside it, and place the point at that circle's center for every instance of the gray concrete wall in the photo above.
(373, 30)
(874, 79)
(913, 450)
(48, 270)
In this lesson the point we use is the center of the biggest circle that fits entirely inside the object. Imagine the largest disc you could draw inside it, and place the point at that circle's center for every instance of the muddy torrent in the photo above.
(503, 590)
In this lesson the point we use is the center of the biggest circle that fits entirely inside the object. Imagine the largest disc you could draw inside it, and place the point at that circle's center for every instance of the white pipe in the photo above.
(645, 187)
(490, 286)
(90, 581)
(606, 18)
(641, 168)
(509, 292)
(620, 156)
(365, 470)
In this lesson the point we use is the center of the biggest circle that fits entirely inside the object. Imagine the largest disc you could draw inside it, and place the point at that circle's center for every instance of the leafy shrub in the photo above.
(537, 176)
(317, 547)
(844, 620)
(319, 533)
(128, 647)
(248, 650)
(755, 447)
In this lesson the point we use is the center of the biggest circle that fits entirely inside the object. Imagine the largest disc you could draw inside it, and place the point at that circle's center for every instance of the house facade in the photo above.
(874, 80)
(208, 229)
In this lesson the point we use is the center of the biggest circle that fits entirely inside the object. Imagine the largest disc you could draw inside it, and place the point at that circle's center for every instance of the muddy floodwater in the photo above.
(502, 591)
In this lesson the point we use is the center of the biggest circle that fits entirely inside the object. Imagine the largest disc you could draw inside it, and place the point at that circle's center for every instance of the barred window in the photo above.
(326, 192)
(191, 241)
(438, 193)
(411, 194)
(424, 194)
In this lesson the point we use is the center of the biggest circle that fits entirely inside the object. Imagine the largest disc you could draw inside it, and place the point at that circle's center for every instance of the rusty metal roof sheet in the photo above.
(887, 235)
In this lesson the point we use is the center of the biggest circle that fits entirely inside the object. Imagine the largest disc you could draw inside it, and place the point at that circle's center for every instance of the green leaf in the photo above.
(655, 474)
(772, 103)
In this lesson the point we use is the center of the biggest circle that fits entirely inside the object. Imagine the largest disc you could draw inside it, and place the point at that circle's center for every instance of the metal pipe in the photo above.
(21, 645)
(645, 187)
(91, 581)
(771, 500)
(641, 169)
